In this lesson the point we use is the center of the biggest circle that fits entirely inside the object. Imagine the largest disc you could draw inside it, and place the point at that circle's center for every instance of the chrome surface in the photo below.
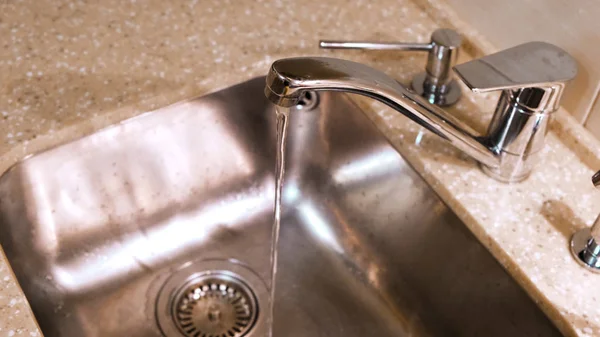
(436, 83)
(217, 316)
(308, 101)
(585, 250)
(450, 94)
(102, 231)
(584, 243)
(516, 133)
(533, 74)
(532, 78)
(367, 45)
(215, 303)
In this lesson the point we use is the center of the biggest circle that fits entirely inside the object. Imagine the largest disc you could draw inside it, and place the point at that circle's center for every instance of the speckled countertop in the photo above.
(69, 68)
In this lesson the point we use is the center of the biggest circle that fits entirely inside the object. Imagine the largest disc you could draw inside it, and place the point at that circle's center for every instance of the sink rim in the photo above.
(378, 134)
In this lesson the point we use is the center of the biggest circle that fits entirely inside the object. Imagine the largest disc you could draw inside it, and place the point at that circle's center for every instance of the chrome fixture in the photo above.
(584, 243)
(106, 232)
(215, 304)
(531, 76)
(214, 297)
(434, 84)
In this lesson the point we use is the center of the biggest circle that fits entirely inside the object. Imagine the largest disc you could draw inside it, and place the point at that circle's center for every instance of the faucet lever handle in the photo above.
(436, 83)
(534, 73)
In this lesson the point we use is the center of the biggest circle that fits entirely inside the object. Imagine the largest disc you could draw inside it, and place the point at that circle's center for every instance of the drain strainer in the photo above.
(216, 304)
(211, 298)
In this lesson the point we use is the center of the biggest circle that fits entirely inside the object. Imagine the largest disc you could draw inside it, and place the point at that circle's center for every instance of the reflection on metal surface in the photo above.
(436, 84)
(318, 226)
(212, 298)
(377, 163)
(215, 303)
(584, 243)
(532, 77)
(585, 250)
(101, 231)
(181, 232)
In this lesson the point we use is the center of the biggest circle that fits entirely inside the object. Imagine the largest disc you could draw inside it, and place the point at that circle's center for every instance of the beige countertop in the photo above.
(71, 68)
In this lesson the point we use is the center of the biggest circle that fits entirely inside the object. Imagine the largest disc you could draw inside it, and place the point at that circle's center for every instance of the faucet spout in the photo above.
(289, 78)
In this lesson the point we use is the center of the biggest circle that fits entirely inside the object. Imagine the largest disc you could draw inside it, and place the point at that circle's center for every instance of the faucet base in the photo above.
(512, 168)
(501, 176)
(585, 250)
(448, 96)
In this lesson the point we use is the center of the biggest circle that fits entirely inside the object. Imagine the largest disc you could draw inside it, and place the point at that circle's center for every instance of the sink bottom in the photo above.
(97, 229)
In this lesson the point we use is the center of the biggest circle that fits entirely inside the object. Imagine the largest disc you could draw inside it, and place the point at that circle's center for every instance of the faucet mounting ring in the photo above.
(448, 95)
(585, 250)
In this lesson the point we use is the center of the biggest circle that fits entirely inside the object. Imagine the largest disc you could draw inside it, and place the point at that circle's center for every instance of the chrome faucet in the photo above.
(585, 244)
(531, 76)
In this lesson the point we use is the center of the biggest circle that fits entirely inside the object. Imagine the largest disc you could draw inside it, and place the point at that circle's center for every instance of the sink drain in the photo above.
(212, 298)
(213, 305)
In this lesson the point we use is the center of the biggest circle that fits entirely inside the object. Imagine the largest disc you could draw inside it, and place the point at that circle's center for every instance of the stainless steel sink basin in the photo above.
(162, 225)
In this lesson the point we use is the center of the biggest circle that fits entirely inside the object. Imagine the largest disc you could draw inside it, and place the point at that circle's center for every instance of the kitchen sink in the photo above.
(161, 226)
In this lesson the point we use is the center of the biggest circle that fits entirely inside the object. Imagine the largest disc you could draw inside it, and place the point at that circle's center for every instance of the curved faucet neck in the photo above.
(289, 78)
